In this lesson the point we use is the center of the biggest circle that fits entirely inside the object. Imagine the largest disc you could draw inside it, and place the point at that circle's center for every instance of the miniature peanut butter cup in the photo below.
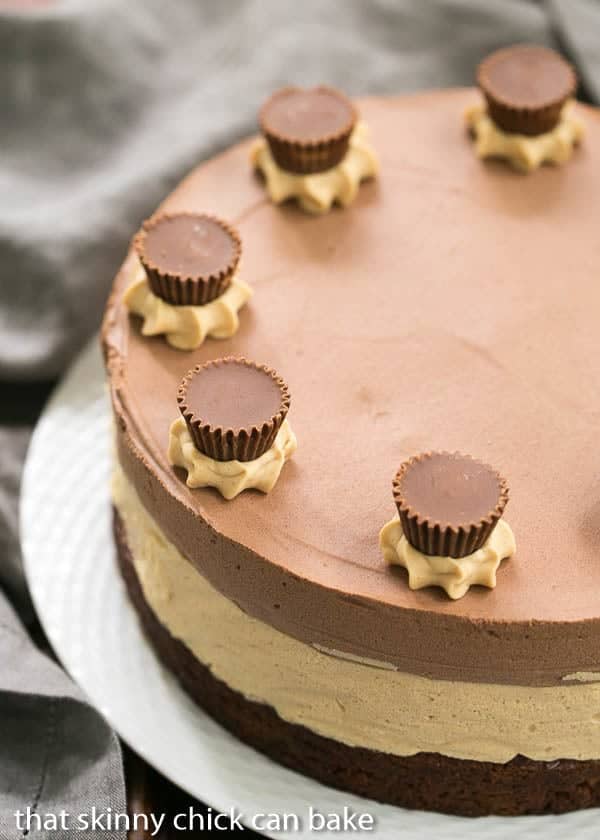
(526, 87)
(448, 503)
(233, 408)
(189, 258)
(308, 131)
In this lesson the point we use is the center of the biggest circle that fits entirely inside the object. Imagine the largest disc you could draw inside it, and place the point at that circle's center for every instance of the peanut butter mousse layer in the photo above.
(403, 324)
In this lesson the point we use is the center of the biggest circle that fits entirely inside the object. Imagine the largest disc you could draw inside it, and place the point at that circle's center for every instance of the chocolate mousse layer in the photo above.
(404, 324)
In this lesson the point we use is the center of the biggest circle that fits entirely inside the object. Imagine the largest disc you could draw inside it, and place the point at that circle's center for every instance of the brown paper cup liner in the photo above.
(522, 121)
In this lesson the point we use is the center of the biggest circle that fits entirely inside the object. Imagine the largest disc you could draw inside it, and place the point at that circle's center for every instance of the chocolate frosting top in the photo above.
(189, 245)
(233, 394)
(313, 115)
(448, 488)
(493, 351)
(527, 76)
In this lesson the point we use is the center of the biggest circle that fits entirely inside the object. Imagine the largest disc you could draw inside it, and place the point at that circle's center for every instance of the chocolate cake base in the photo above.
(426, 781)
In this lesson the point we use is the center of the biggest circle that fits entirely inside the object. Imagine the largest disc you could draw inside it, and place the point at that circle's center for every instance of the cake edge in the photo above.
(426, 781)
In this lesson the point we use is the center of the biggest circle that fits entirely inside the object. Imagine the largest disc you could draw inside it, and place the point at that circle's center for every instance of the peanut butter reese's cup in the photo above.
(233, 408)
(526, 87)
(308, 130)
(189, 258)
(448, 503)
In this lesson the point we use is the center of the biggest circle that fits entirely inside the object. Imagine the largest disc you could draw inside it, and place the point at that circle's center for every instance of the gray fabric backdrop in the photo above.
(104, 105)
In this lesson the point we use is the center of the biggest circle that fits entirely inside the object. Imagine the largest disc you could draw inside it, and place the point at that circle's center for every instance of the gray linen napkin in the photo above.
(104, 106)
(57, 753)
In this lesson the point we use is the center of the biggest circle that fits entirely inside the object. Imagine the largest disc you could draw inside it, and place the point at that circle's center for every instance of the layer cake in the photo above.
(451, 307)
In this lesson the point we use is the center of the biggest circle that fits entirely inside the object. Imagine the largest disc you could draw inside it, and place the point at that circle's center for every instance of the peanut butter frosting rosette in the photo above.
(448, 503)
(308, 131)
(233, 408)
(526, 87)
(189, 258)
